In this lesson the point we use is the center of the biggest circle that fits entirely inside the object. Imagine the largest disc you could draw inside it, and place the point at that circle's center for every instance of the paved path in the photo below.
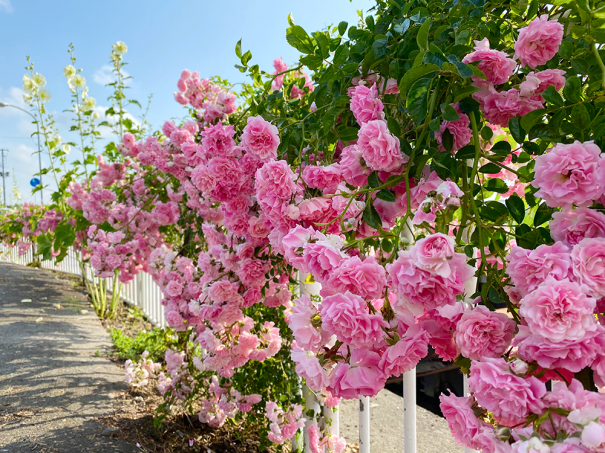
(386, 426)
(53, 382)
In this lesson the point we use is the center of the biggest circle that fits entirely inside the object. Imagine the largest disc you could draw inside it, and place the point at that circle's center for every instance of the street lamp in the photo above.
(4, 104)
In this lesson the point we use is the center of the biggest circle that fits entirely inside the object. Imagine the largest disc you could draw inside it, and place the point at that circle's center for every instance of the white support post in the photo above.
(312, 404)
(409, 411)
(364, 424)
(332, 417)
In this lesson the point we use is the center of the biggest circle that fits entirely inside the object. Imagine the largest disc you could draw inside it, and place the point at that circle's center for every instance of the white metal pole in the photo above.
(409, 411)
(364, 424)
(332, 417)
(312, 404)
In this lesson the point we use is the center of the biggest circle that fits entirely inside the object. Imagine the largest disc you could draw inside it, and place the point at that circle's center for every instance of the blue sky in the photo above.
(162, 37)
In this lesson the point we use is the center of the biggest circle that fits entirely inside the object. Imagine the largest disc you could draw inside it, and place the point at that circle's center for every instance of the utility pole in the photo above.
(4, 175)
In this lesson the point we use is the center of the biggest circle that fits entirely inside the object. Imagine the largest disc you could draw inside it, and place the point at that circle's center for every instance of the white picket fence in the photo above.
(145, 294)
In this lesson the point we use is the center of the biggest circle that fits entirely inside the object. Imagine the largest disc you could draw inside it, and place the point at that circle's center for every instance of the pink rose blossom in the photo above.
(323, 256)
(559, 310)
(379, 148)
(508, 397)
(462, 421)
(459, 129)
(406, 353)
(252, 272)
(496, 65)
(588, 264)
(570, 226)
(572, 355)
(365, 104)
(528, 269)
(549, 77)
(348, 317)
(307, 336)
(434, 253)
(353, 171)
(325, 179)
(260, 138)
(499, 107)
(308, 367)
(482, 333)
(538, 42)
(359, 377)
(573, 173)
(364, 278)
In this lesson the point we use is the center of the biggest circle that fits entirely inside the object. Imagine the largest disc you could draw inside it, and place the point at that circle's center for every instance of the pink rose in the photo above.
(353, 170)
(538, 42)
(559, 310)
(173, 289)
(218, 140)
(425, 289)
(359, 377)
(482, 333)
(459, 129)
(572, 355)
(588, 265)
(308, 367)
(365, 104)
(406, 353)
(570, 226)
(260, 138)
(317, 212)
(549, 77)
(528, 269)
(274, 184)
(325, 179)
(307, 336)
(496, 65)
(348, 317)
(322, 257)
(252, 272)
(435, 253)
(379, 148)
(293, 244)
(567, 174)
(499, 107)
(462, 421)
(364, 278)
(508, 397)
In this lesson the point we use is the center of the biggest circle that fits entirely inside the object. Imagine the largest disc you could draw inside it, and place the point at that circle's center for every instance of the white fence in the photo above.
(141, 292)
(146, 295)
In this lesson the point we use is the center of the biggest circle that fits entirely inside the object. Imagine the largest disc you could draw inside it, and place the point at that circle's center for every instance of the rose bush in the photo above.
(442, 162)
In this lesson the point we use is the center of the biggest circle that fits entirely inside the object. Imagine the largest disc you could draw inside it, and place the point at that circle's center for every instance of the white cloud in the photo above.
(105, 75)
(13, 96)
(6, 5)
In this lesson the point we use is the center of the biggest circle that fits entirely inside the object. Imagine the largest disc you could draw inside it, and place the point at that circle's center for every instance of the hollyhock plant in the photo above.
(538, 42)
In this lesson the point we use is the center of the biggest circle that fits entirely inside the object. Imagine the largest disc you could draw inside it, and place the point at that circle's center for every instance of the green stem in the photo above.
(599, 61)
(472, 183)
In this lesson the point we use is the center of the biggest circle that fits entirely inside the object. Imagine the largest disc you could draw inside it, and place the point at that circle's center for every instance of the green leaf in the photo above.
(373, 180)
(238, 49)
(312, 61)
(543, 214)
(464, 69)
(516, 207)
(552, 96)
(494, 212)
(467, 152)
(417, 100)
(450, 114)
(468, 105)
(393, 126)
(573, 90)
(348, 134)
(447, 140)
(532, 118)
(298, 38)
(342, 28)
(516, 130)
(566, 50)
(487, 133)
(246, 58)
(371, 216)
(380, 47)
(386, 195)
(422, 38)
(414, 74)
(496, 185)
(341, 55)
(580, 117)
(490, 169)
(501, 148)
(465, 92)
(44, 246)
